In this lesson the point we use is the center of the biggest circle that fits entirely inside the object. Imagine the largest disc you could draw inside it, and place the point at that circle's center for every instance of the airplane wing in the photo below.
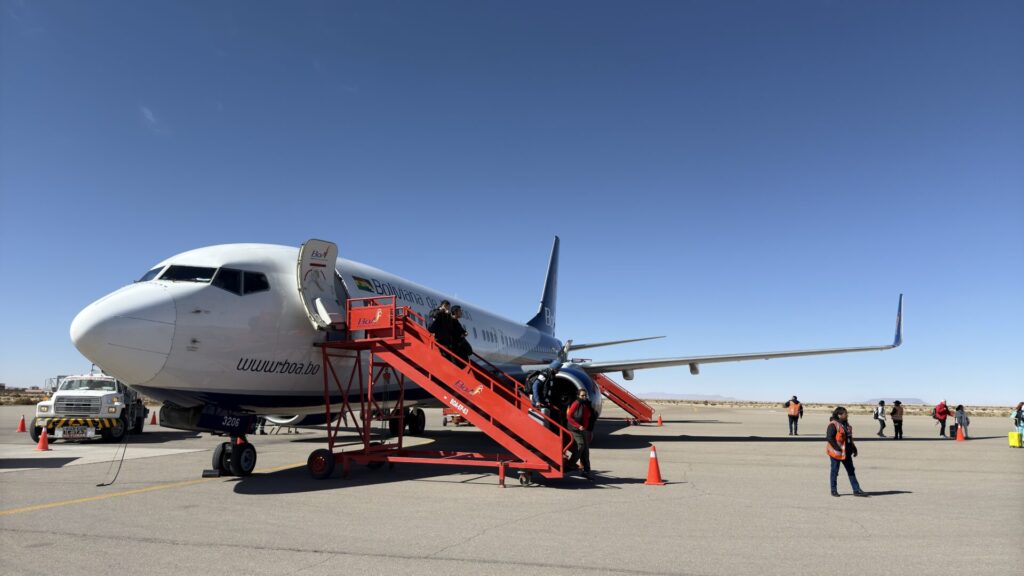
(609, 343)
(627, 366)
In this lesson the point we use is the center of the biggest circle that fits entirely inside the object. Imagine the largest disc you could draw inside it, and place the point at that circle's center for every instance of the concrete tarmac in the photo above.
(742, 497)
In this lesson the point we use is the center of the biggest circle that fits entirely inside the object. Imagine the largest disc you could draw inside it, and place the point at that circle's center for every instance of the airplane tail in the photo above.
(544, 320)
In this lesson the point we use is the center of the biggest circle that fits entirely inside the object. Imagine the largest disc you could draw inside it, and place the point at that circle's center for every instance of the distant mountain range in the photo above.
(669, 396)
(720, 398)
(891, 400)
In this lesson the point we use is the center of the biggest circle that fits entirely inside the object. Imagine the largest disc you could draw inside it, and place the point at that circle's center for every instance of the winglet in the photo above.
(899, 324)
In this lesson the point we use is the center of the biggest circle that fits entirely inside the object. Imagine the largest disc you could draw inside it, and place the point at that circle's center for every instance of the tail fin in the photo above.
(544, 321)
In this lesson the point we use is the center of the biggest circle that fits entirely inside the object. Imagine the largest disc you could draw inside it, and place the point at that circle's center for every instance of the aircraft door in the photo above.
(317, 278)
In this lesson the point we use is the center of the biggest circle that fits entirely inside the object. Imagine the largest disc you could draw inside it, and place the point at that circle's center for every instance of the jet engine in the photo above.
(568, 381)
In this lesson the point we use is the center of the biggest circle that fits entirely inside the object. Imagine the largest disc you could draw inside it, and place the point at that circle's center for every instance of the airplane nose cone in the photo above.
(127, 333)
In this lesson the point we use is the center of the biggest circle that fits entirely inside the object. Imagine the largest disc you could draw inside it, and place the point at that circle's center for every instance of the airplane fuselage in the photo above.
(189, 335)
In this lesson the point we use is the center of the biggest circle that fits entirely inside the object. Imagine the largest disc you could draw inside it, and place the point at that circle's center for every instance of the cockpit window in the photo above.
(229, 279)
(256, 282)
(188, 274)
(151, 274)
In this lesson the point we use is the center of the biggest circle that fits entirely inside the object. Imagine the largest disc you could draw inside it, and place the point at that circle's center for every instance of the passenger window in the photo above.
(229, 279)
(256, 282)
(188, 274)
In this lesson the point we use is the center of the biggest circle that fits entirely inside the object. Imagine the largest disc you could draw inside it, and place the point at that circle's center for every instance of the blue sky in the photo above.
(738, 176)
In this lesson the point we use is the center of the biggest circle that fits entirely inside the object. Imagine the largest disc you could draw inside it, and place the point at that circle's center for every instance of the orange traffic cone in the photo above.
(44, 442)
(152, 421)
(960, 434)
(239, 441)
(659, 420)
(653, 471)
(21, 425)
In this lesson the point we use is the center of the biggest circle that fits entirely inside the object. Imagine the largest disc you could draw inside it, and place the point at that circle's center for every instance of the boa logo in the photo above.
(368, 322)
(318, 254)
(462, 386)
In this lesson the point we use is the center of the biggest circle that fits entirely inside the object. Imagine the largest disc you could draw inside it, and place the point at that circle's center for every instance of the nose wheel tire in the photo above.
(320, 463)
(222, 458)
(243, 459)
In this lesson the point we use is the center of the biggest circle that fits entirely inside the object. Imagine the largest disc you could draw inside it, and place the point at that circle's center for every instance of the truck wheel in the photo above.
(34, 431)
(243, 459)
(116, 432)
(140, 422)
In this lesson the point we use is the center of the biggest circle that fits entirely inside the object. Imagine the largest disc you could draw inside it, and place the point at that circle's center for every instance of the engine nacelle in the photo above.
(298, 420)
(567, 382)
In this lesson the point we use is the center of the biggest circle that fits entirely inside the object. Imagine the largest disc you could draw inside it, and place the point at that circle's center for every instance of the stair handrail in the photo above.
(519, 401)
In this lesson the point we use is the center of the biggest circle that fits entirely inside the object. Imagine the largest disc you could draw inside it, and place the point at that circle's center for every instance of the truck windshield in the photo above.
(88, 384)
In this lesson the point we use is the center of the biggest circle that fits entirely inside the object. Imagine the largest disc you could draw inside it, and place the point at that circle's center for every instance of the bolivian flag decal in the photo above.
(363, 284)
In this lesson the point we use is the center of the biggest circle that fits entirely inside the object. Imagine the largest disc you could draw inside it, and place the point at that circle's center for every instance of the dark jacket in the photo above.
(440, 325)
(460, 344)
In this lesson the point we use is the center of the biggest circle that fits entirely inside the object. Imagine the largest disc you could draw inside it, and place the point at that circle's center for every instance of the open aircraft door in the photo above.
(317, 282)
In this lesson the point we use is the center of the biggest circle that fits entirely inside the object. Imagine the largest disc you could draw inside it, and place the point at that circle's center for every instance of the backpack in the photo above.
(875, 414)
(935, 416)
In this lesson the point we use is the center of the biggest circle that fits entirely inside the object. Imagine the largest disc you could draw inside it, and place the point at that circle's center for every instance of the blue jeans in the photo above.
(834, 472)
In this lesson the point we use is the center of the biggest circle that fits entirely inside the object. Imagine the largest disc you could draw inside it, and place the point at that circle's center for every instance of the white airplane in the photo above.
(224, 333)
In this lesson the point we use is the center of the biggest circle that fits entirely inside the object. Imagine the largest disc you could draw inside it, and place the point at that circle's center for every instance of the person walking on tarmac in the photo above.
(578, 416)
(841, 449)
(880, 416)
(940, 413)
(897, 420)
(440, 324)
(963, 422)
(460, 343)
(796, 412)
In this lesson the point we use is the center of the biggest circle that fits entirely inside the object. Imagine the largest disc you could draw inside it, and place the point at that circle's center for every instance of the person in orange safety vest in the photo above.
(796, 412)
(841, 449)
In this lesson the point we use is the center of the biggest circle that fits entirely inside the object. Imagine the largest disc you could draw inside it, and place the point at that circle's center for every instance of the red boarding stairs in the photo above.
(640, 411)
(397, 342)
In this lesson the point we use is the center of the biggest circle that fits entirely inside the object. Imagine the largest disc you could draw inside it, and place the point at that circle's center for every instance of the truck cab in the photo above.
(86, 406)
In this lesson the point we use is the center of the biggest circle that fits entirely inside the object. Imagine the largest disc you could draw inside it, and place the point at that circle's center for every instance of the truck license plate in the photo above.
(72, 432)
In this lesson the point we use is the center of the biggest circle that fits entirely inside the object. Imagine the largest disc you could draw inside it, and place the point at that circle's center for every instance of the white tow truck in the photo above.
(83, 407)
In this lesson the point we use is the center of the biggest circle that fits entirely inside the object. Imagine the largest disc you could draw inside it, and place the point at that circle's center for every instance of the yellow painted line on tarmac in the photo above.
(99, 497)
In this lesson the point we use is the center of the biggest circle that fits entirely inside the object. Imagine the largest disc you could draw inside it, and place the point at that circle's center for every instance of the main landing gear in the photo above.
(415, 420)
(235, 458)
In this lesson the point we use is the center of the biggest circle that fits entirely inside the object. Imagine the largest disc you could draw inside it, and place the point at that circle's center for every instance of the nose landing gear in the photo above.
(234, 458)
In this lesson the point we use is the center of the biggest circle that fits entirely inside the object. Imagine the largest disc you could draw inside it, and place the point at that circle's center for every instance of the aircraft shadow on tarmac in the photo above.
(35, 462)
(298, 480)
(163, 436)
